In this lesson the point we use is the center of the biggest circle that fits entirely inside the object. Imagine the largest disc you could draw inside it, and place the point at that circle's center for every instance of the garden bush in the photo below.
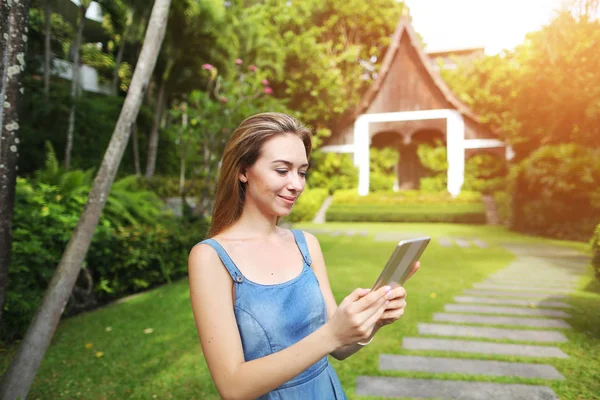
(407, 206)
(502, 200)
(343, 197)
(307, 205)
(127, 254)
(596, 251)
(555, 192)
(332, 171)
(406, 212)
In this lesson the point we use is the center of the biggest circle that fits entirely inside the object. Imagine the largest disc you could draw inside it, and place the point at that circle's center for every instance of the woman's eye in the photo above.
(303, 174)
(281, 171)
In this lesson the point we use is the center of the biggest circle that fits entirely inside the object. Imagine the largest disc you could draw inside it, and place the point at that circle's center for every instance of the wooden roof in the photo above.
(404, 28)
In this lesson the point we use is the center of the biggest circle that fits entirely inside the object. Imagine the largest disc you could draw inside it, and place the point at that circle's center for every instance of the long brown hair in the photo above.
(241, 152)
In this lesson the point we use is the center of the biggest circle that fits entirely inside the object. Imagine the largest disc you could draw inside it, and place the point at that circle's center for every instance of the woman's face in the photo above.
(278, 177)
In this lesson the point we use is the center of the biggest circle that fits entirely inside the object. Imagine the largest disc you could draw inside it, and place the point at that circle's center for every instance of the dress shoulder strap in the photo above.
(233, 270)
(301, 242)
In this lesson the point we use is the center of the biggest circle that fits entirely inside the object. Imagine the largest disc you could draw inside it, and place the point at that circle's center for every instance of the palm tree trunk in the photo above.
(4, 29)
(74, 86)
(182, 149)
(119, 59)
(47, 48)
(153, 140)
(20, 374)
(17, 21)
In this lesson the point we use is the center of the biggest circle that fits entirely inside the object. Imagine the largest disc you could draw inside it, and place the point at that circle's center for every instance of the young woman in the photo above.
(262, 302)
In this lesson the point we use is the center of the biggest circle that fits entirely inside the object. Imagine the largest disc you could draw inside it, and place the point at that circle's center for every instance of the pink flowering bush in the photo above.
(208, 117)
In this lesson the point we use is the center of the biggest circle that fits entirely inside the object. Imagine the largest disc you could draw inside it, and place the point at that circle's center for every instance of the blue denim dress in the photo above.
(273, 317)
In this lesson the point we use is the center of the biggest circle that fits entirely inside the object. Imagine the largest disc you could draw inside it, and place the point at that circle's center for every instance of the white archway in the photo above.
(455, 134)
(455, 142)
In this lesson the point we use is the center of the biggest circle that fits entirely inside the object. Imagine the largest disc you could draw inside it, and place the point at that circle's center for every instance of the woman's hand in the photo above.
(356, 317)
(395, 308)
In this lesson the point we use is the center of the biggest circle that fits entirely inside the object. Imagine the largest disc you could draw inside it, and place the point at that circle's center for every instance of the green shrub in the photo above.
(308, 205)
(503, 206)
(407, 206)
(168, 186)
(128, 253)
(555, 190)
(433, 184)
(332, 171)
(406, 212)
(596, 251)
(405, 196)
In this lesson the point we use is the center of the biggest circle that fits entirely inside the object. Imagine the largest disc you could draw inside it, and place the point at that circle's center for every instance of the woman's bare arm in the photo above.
(212, 303)
(320, 270)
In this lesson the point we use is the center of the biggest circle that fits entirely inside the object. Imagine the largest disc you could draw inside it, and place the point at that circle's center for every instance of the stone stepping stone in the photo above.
(524, 288)
(350, 233)
(434, 388)
(464, 308)
(468, 346)
(388, 362)
(493, 320)
(524, 295)
(516, 302)
(492, 333)
(335, 233)
(534, 278)
(445, 242)
(480, 243)
(532, 283)
(540, 273)
(462, 243)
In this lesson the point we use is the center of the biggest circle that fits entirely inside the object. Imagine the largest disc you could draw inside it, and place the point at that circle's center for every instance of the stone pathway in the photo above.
(529, 293)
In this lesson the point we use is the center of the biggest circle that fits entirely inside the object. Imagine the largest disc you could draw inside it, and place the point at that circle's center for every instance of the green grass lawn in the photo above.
(147, 347)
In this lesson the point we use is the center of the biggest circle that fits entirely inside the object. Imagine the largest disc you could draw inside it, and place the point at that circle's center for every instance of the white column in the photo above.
(361, 153)
(455, 135)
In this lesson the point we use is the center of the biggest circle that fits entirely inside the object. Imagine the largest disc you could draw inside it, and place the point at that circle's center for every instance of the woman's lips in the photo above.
(289, 200)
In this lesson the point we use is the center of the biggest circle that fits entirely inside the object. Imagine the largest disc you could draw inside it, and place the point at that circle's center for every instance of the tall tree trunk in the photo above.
(119, 59)
(21, 373)
(4, 29)
(203, 204)
(153, 140)
(47, 48)
(18, 19)
(136, 151)
(182, 149)
(74, 86)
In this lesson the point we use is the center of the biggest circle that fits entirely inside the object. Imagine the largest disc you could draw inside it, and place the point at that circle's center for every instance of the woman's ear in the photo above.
(242, 177)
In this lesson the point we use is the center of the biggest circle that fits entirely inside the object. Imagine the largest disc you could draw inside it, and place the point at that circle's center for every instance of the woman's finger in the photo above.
(415, 269)
(392, 315)
(398, 293)
(372, 320)
(367, 301)
(395, 304)
(354, 296)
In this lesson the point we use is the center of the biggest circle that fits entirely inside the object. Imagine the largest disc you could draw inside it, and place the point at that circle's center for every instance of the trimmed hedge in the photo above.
(308, 205)
(453, 213)
(596, 252)
(407, 206)
(405, 197)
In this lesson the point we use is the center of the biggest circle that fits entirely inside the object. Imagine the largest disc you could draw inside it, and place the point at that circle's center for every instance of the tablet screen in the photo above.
(401, 262)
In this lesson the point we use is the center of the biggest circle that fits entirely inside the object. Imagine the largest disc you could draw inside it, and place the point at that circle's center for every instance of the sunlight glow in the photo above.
(495, 25)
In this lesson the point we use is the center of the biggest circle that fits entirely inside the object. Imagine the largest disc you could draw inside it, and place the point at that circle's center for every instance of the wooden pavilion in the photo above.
(408, 104)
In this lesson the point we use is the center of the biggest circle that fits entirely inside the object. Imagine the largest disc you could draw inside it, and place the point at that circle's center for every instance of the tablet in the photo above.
(401, 263)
